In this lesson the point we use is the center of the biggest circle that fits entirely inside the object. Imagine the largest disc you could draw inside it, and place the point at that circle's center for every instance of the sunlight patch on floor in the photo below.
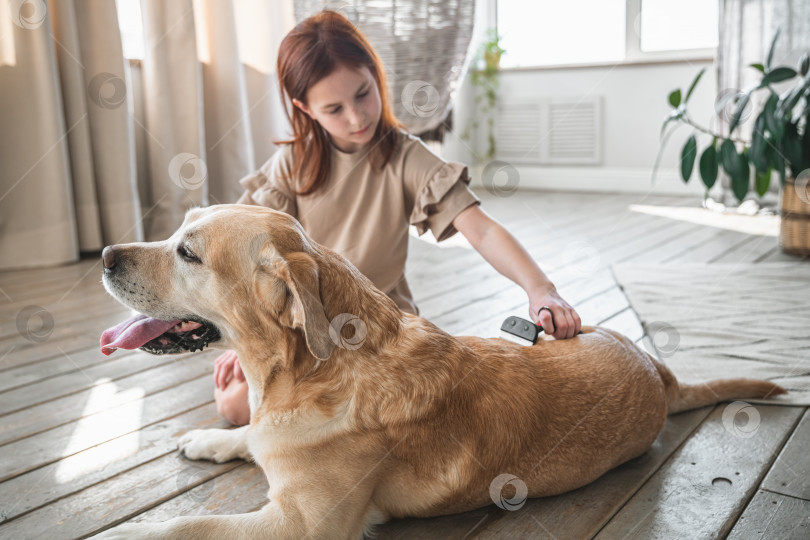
(762, 225)
(94, 428)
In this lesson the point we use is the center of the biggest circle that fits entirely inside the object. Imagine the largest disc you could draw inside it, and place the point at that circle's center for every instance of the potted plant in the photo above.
(492, 50)
(486, 84)
(779, 143)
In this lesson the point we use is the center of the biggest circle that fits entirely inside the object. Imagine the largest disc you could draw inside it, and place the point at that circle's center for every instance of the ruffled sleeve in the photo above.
(268, 186)
(438, 189)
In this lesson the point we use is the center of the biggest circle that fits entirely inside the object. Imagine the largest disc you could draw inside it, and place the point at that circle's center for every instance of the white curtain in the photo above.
(94, 153)
(746, 29)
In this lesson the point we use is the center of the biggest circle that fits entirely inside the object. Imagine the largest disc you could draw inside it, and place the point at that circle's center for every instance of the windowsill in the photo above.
(623, 63)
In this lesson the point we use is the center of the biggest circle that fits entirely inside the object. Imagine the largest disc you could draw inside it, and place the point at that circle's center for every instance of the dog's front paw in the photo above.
(218, 445)
(132, 531)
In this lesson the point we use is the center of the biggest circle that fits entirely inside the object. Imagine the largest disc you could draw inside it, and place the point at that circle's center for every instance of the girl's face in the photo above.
(346, 104)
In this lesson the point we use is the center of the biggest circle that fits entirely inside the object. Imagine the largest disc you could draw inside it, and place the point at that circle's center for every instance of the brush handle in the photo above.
(521, 328)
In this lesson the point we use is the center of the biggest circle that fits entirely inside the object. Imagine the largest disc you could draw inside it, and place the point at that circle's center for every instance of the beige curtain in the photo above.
(100, 153)
(66, 159)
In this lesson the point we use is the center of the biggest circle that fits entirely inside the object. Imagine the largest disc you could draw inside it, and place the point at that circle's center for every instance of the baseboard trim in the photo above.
(595, 179)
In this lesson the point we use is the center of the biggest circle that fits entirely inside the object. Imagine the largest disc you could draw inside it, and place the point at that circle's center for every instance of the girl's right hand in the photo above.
(227, 367)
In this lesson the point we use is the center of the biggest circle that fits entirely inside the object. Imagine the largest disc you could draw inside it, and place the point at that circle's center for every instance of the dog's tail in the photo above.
(683, 397)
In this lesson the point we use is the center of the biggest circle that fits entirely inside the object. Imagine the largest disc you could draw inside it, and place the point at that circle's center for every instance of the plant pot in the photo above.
(492, 59)
(794, 230)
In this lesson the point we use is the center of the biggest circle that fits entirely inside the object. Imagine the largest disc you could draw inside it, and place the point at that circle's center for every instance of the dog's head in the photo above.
(230, 274)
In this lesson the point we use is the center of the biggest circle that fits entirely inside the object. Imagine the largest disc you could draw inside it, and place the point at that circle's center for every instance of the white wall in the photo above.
(633, 108)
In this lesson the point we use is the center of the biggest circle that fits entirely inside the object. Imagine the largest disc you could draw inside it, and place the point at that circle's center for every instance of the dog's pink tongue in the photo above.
(133, 333)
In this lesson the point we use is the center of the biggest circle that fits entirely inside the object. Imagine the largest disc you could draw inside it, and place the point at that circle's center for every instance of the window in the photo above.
(551, 32)
(547, 32)
(671, 26)
(131, 25)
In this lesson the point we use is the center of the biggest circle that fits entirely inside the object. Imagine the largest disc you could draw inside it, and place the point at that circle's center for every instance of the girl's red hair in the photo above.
(311, 51)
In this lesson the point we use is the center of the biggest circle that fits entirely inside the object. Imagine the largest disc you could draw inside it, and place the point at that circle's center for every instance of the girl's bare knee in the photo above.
(232, 403)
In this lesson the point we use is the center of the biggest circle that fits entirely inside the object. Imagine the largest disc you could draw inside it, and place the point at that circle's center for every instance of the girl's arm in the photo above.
(507, 256)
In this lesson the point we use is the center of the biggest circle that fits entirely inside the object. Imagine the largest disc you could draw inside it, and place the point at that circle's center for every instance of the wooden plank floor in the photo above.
(88, 442)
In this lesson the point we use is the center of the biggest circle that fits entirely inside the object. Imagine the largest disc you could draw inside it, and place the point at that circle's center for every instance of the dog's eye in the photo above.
(187, 255)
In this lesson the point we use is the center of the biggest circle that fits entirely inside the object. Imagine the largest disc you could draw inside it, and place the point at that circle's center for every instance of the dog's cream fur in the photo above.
(401, 419)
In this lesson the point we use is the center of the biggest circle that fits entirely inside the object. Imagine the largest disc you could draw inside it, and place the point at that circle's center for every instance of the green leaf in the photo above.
(736, 165)
(792, 148)
(741, 104)
(758, 67)
(773, 47)
(741, 178)
(694, 83)
(773, 123)
(728, 155)
(786, 104)
(806, 140)
(804, 64)
(688, 158)
(762, 181)
(806, 111)
(769, 111)
(758, 142)
(675, 98)
(778, 75)
(708, 166)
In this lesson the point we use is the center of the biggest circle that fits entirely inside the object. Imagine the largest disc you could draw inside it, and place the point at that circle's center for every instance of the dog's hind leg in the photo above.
(218, 445)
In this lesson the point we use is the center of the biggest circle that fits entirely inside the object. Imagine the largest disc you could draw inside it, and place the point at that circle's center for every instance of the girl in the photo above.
(355, 180)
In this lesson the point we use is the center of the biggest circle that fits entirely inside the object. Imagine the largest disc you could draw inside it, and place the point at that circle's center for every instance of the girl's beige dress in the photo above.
(364, 215)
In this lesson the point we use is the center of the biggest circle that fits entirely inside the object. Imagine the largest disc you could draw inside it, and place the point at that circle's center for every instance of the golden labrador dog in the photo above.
(361, 412)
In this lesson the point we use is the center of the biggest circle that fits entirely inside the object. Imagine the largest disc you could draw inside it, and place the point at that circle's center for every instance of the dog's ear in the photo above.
(299, 300)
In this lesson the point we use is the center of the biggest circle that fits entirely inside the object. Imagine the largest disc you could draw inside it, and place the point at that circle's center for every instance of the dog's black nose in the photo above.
(108, 258)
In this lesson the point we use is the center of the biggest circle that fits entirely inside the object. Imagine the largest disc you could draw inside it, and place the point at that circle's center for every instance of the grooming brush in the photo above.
(520, 331)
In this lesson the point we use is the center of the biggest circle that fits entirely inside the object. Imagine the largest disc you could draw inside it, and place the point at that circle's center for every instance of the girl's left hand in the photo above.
(562, 323)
